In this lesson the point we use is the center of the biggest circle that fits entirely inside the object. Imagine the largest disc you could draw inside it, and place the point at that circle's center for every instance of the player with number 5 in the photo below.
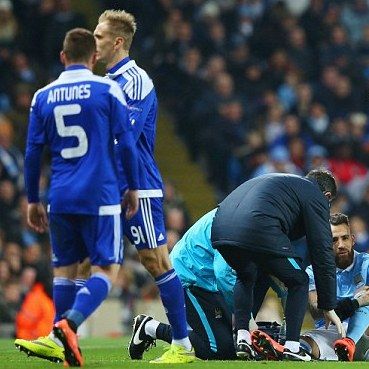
(79, 116)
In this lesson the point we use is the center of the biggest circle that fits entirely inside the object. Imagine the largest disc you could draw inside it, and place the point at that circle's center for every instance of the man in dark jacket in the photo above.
(253, 229)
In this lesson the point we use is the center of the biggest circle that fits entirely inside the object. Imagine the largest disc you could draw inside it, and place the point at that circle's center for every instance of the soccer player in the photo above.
(79, 116)
(146, 230)
(208, 283)
(253, 229)
(353, 296)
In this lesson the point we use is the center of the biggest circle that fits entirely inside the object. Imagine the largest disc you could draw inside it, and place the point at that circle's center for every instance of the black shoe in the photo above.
(302, 355)
(140, 341)
(244, 351)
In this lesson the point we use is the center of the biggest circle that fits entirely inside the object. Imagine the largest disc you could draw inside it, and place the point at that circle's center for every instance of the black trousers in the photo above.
(248, 266)
(211, 321)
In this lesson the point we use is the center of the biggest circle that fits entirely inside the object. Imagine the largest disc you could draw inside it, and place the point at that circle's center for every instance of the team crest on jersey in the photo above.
(358, 279)
(218, 313)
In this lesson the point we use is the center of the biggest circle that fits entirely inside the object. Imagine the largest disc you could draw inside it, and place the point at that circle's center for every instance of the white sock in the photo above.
(150, 327)
(55, 339)
(243, 334)
(184, 342)
(293, 346)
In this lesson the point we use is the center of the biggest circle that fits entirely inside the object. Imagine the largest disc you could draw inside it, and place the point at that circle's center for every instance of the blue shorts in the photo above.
(75, 237)
(146, 230)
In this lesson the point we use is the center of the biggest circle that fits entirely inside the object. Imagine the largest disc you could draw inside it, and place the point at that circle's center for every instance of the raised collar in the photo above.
(121, 67)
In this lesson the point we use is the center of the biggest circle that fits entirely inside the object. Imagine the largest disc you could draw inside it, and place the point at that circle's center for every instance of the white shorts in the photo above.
(325, 339)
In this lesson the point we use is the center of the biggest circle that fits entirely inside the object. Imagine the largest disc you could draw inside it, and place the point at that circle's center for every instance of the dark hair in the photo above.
(339, 218)
(79, 45)
(325, 180)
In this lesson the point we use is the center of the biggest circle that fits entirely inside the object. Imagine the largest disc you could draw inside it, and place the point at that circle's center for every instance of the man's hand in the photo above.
(330, 316)
(36, 217)
(362, 296)
(130, 203)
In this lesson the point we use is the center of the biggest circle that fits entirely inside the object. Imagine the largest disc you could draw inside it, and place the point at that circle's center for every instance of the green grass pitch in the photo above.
(106, 353)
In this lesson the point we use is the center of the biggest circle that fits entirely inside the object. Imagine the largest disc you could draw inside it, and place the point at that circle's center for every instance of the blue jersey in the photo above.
(198, 264)
(349, 280)
(139, 92)
(78, 116)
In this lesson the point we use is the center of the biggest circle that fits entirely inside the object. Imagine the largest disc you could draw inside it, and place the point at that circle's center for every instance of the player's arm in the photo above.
(36, 214)
(319, 239)
(138, 112)
(315, 312)
(345, 308)
(122, 130)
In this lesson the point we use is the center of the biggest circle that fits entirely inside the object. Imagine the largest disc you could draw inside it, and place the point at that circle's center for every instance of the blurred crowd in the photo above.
(262, 86)
(253, 87)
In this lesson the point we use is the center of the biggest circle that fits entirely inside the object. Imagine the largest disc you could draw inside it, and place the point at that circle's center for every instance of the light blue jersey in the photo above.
(198, 264)
(78, 116)
(349, 280)
(139, 92)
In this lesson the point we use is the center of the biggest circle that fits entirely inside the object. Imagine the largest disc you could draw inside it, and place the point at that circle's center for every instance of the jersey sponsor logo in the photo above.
(134, 108)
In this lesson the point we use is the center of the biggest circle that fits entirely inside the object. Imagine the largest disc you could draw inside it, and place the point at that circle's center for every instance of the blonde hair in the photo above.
(121, 24)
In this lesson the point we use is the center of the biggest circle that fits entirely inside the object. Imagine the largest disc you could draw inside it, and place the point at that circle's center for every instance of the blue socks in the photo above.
(172, 296)
(89, 298)
(79, 283)
(358, 323)
(64, 293)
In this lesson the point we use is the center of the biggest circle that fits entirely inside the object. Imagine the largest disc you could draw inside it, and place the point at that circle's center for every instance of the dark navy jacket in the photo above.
(266, 213)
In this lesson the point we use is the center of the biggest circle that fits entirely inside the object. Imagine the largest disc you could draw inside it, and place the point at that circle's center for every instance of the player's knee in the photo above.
(154, 266)
(311, 343)
(226, 349)
(299, 279)
(111, 271)
(84, 269)
(156, 261)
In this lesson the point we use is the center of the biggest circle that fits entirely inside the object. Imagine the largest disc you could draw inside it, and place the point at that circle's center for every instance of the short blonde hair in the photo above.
(121, 24)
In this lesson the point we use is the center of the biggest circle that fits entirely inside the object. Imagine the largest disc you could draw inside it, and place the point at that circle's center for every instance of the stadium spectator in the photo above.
(9, 28)
(360, 230)
(36, 314)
